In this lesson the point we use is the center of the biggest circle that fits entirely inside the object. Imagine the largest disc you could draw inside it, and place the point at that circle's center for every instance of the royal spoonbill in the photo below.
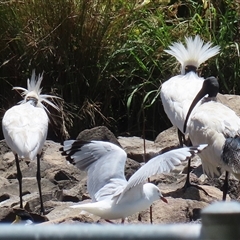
(25, 128)
(178, 92)
(215, 124)
(113, 197)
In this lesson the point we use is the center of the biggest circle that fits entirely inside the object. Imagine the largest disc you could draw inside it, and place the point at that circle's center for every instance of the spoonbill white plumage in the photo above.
(218, 126)
(178, 92)
(25, 128)
(113, 196)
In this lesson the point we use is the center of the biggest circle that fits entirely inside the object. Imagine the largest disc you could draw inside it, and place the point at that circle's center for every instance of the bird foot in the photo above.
(188, 184)
(109, 221)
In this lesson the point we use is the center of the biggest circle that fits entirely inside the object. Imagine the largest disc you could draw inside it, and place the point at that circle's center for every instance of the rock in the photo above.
(175, 211)
(3, 182)
(100, 133)
(8, 215)
(77, 193)
(3, 149)
(134, 146)
(131, 167)
(232, 101)
(29, 186)
(63, 184)
(9, 200)
(32, 201)
(168, 138)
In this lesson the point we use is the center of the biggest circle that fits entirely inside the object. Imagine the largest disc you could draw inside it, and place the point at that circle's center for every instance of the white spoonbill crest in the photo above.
(194, 54)
(113, 196)
(25, 127)
(178, 92)
(34, 91)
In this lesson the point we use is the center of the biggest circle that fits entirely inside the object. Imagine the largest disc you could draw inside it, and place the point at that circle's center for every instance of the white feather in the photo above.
(178, 92)
(212, 122)
(25, 126)
(114, 196)
(195, 53)
(34, 90)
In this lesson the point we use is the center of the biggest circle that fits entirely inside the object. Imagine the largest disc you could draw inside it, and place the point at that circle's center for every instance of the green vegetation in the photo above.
(106, 59)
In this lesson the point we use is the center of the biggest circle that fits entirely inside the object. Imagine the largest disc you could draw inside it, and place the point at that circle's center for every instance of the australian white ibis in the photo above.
(215, 124)
(113, 196)
(25, 128)
(178, 92)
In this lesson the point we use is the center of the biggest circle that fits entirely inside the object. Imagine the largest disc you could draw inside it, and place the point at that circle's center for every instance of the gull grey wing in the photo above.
(113, 188)
(104, 162)
(83, 153)
(163, 163)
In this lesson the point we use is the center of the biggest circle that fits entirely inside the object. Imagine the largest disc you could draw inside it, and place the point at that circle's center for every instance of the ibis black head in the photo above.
(211, 87)
(190, 68)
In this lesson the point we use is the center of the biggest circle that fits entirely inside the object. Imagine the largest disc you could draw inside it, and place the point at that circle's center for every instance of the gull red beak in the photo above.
(164, 199)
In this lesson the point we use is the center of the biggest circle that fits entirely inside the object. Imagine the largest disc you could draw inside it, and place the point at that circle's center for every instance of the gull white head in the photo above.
(33, 93)
(153, 193)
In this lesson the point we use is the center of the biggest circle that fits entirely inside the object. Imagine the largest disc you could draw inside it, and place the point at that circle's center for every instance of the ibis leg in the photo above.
(39, 183)
(19, 178)
(188, 184)
(181, 138)
(225, 186)
(151, 216)
(109, 221)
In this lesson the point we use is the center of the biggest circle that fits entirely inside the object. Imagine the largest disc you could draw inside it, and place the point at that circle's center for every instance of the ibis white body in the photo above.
(213, 123)
(177, 94)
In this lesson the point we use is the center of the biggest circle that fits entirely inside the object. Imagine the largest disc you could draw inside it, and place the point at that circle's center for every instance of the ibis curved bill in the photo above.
(113, 196)
(215, 124)
(25, 127)
(178, 92)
